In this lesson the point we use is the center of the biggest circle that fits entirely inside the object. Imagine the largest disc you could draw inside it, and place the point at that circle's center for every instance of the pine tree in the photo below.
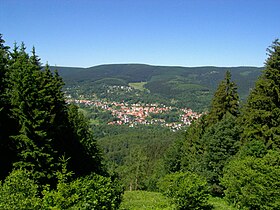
(222, 142)
(7, 125)
(261, 120)
(29, 110)
(47, 127)
(226, 100)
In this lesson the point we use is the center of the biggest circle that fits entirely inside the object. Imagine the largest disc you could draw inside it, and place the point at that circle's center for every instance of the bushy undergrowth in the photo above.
(186, 190)
(20, 191)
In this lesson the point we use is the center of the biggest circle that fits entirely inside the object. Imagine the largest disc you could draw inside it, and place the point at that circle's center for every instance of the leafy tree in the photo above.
(225, 100)
(187, 190)
(253, 183)
(261, 118)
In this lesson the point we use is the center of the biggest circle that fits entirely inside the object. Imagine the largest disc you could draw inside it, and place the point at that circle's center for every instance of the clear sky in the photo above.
(160, 32)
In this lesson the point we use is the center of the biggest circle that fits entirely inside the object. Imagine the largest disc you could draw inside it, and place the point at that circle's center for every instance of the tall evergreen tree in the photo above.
(222, 142)
(28, 108)
(225, 100)
(7, 152)
(47, 127)
(261, 119)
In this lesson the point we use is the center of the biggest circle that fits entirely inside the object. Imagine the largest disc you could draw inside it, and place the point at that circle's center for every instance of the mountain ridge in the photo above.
(192, 85)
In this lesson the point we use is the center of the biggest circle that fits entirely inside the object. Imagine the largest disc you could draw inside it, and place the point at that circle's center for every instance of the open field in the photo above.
(138, 85)
(144, 200)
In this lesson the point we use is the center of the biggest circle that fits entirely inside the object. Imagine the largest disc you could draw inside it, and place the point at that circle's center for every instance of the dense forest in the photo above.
(52, 157)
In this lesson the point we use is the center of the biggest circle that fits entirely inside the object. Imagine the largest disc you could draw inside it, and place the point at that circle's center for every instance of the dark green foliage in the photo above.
(38, 130)
(187, 190)
(225, 100)
(173, 156)
(24, 86)
(80, 145)
(38, 106)
(212, 140)
(193, 147)
(222, 142)
(7, 125)
(46, 127)
(261, 119)
(253, 183)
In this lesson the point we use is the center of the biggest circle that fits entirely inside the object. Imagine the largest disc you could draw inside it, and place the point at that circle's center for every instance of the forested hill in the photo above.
(191, 86)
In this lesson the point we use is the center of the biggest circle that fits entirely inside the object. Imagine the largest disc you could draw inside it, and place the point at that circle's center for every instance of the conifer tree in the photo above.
(47, 127)
(261, 120)
(222, 142)
(7, 152)
(225, 100)
(30, 111)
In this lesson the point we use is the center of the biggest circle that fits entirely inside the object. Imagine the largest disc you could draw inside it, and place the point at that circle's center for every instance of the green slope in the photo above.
(189, 86)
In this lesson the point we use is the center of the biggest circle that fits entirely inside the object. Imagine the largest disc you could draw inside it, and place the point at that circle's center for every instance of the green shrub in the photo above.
(90, 192)
(187, 190)
(253, 183)
(19, 191)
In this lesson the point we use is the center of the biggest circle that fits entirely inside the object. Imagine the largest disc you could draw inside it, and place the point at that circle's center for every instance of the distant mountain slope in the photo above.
(192, 85)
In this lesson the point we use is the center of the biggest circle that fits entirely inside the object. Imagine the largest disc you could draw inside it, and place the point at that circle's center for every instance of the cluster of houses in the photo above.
(136, 114)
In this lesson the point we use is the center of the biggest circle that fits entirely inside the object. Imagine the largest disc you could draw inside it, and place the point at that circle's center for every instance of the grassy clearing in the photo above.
(138, 85)
(220, 204)
(143, 200)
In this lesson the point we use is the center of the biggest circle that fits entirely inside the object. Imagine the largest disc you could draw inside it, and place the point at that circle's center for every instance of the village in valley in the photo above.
(141, 114)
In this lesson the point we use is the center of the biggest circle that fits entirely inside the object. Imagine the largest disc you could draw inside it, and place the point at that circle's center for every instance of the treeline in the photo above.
(233, 151)
(137, 154)
(48, 157)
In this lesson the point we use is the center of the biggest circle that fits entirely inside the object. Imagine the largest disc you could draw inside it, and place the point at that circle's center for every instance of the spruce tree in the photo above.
(29, 109)
(47, 127)
(261, 119)
(225, 100)
(7, 125)
(222, 142)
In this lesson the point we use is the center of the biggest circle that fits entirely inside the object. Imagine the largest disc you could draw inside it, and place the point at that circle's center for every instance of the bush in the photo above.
(90, 192)
(19, 191)
(187, 190)
(253, 183)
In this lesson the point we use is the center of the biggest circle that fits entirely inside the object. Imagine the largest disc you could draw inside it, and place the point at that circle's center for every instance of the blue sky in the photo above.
(159, 32)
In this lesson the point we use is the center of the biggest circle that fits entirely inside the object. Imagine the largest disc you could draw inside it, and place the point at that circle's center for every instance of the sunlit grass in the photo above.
(138, 85)
(143, 200)
(138, 200)
(220, 204)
